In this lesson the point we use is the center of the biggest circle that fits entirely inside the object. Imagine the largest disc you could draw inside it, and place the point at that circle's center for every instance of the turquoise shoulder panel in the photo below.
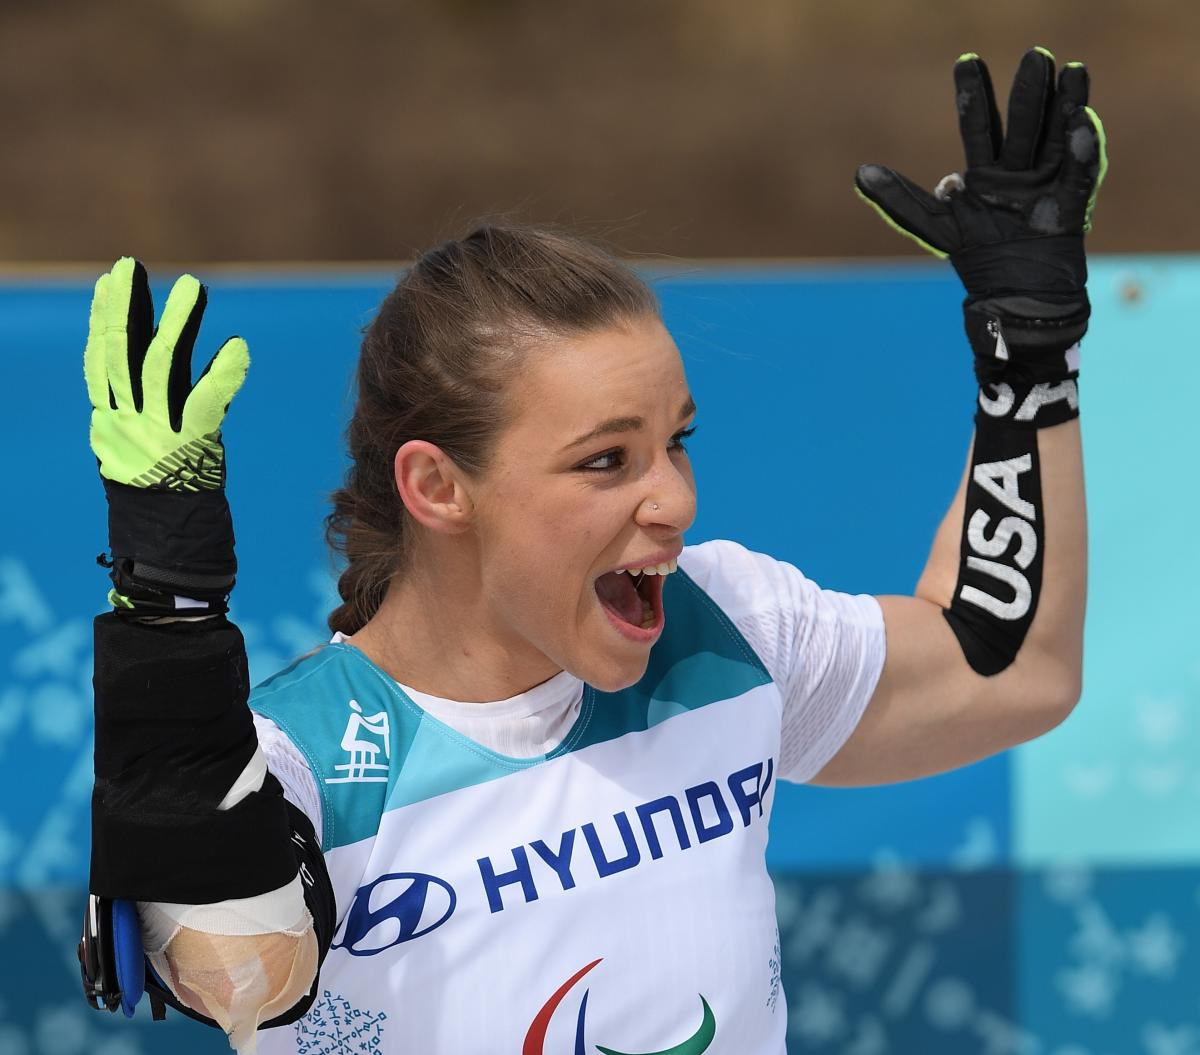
(371, 749)
(352, 731)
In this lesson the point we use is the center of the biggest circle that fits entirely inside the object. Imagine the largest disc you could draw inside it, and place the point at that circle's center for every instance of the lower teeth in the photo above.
(647, 616)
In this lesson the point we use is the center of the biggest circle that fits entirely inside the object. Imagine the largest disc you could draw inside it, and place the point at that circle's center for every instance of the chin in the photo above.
(613, 677)
(603, 659)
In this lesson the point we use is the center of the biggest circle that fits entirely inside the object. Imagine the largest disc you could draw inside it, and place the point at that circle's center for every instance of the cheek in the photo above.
(549, 557)
(551, 521)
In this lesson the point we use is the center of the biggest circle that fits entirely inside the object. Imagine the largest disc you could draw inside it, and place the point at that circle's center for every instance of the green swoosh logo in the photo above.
(696, 1044)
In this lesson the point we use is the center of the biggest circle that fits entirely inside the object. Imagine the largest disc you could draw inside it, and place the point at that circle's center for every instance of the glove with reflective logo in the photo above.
(157, 438)
(1013, 224)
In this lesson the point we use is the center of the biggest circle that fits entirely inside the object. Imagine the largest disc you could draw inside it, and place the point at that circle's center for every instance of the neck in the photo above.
(435, 633)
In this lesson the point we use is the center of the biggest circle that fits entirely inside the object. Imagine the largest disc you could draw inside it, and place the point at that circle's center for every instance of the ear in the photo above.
(432, 488)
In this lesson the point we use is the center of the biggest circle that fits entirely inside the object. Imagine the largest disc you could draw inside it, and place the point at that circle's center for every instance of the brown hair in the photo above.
(435, 365)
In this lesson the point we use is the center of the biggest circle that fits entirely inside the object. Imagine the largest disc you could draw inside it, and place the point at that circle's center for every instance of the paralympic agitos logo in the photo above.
(535, 1039)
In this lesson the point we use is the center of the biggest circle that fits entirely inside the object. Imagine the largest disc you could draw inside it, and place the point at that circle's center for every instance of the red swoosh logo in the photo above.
(535, 1039)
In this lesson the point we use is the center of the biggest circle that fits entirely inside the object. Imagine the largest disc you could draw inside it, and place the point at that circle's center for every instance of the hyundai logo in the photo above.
(395, 908)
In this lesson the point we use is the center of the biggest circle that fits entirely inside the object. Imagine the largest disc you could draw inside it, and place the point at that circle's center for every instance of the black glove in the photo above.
(1013, 224)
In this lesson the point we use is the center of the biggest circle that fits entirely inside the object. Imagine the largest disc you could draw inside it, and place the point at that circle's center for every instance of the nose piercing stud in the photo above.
(654, 507)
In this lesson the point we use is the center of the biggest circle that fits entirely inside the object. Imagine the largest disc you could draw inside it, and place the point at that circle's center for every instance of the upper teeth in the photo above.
(652, 569)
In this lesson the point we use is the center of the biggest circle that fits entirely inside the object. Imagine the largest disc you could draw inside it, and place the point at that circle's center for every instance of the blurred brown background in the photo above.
(361, 130)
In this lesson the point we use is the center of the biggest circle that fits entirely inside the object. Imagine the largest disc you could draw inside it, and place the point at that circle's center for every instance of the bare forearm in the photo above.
(940, 574)
(1057, 631)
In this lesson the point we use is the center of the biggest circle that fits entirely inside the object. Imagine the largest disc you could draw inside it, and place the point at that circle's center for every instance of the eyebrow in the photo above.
(627, 424)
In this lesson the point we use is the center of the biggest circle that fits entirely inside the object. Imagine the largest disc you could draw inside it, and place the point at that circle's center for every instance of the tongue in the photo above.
(617, 593)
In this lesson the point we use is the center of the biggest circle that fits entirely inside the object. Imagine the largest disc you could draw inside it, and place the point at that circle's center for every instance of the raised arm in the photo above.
(988, 653)
(186, 819)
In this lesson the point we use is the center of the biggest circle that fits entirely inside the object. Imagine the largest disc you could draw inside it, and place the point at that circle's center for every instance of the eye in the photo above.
(614, 459)
(678, 441)
(605, 462)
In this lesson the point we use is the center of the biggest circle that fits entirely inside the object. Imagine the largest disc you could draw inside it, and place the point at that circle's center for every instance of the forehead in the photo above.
(570, 384)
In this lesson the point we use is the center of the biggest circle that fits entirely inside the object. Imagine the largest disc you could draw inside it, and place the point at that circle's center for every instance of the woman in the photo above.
(527, 784)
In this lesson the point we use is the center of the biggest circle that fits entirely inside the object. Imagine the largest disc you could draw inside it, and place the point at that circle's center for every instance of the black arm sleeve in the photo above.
(173, 733)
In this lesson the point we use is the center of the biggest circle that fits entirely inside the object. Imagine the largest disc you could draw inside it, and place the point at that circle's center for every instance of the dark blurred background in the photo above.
(363, 130)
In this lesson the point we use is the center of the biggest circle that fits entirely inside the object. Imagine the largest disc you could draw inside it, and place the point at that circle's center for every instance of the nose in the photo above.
(669, 502)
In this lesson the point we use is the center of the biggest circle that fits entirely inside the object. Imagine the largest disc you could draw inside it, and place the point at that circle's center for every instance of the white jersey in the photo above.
(609, 892)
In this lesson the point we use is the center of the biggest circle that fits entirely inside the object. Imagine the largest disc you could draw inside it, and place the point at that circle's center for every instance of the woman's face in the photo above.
(589, 477)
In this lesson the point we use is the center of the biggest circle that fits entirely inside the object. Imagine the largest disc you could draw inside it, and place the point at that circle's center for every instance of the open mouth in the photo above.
(633, 601)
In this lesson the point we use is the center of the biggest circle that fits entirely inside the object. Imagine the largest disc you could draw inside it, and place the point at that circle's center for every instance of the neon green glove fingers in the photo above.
(94, 371)
(162, 432)
(185, 299)
(219, 384)
(127, 315)
(113, 319)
